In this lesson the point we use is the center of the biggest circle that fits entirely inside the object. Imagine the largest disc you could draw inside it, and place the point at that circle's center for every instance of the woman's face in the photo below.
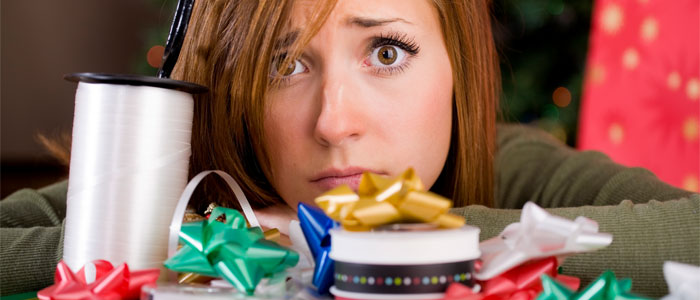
(371, 92)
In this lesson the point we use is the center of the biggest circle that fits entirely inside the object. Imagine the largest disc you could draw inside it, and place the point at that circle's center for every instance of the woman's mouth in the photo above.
(331, 178)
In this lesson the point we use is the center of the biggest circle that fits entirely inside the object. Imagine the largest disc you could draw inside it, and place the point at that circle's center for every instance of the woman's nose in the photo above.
(340, 117)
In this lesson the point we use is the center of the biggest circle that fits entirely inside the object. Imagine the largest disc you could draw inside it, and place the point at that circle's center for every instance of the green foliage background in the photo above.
(543, 45)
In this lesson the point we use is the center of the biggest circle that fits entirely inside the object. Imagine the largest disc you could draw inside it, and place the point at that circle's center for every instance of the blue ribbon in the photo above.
(316, 225)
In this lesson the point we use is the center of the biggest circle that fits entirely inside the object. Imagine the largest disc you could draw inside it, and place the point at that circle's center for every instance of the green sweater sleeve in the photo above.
(651, 222)
(31, 232)
(533, 166)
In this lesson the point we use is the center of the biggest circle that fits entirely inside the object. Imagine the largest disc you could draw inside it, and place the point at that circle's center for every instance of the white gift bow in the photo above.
(683, 281)
(538, 235)
(304, 270)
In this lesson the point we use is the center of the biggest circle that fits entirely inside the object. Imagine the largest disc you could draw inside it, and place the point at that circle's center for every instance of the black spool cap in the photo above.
(137, 80)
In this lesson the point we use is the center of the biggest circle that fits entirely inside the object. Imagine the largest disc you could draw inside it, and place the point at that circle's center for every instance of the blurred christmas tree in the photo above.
(543, 45)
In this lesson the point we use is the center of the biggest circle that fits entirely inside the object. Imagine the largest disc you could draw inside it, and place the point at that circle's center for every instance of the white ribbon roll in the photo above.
(129, 164)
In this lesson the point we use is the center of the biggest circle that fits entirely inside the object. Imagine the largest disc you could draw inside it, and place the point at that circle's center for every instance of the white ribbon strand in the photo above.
(179, 214)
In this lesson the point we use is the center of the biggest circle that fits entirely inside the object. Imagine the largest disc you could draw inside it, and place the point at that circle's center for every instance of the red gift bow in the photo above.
(110, 283)
(519, 283)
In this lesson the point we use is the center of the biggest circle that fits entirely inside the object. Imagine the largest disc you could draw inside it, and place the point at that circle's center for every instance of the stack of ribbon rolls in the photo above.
(396, 240)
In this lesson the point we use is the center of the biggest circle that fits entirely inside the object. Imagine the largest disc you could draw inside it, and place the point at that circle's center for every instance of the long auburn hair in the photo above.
(229, 48)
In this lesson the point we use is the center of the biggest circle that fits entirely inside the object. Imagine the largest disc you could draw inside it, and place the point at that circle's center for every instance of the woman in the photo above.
(301, 124)
(306, 95)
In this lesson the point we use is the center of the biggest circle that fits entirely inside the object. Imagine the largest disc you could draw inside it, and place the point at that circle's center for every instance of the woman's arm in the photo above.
(644, 236)
(651, 221)
(31, 231)
(533, 166)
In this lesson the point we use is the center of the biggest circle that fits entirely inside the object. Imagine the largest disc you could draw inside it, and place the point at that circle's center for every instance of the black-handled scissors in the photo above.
(176, 37)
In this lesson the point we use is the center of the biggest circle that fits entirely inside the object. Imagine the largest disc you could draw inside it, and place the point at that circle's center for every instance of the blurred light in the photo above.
(630, 58)
(556, 7)
(690, 129)
(550, 112)
(561, 97)
(691, 183)
(554, 127)
(596, 73)
(559, 133)
(693, 89)
(674, 80)
(155, 56)
(616, 133)
(649, 29)
(611, 19)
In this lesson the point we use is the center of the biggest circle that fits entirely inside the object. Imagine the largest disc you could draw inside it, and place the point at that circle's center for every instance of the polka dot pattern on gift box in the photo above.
(440, 279)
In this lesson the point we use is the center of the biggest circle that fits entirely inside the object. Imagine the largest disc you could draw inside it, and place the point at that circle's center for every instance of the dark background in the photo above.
(542, 44)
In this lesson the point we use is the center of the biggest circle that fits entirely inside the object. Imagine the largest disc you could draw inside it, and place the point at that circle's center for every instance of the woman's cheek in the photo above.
(430, 120)
(278, 137)
(288, 141)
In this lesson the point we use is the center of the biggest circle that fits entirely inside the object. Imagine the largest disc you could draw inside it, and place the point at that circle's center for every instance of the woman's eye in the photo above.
(387, 55)
(293, 68)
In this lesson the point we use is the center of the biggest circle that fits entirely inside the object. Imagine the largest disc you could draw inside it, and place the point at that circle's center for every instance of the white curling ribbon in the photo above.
(129, 162)
(179, 214)
(278, 287)
(267, 288)
(683, 281)
(538, 235)
(304, 269)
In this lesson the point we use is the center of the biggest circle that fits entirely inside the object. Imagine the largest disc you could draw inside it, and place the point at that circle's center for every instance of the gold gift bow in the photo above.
(380, 201)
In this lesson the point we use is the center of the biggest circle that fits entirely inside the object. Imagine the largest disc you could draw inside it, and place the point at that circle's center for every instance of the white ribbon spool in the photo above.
(129, 165)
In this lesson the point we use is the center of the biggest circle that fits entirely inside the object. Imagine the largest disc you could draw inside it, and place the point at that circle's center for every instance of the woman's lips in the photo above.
(330, 182)
(332, 178)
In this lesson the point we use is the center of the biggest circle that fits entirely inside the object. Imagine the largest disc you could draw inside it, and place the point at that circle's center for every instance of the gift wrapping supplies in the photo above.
(231, 250)
(390, 239)
(520, 261)
(98, 280)
(505, 260)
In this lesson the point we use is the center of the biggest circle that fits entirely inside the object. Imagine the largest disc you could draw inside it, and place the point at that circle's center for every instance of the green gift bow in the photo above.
(605, 287)
(230, 250)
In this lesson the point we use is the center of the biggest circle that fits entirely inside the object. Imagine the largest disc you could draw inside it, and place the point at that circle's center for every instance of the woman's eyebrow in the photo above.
(287, 40)
(371, 22)
(290, 37)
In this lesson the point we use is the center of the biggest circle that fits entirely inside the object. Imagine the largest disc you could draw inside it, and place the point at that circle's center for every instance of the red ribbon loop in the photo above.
(109, 282)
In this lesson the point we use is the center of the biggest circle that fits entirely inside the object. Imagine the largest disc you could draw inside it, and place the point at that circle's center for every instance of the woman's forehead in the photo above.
(366, 13)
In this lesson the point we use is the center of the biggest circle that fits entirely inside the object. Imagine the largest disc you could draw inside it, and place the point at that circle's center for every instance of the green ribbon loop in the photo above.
(605, 287)
(231, 250)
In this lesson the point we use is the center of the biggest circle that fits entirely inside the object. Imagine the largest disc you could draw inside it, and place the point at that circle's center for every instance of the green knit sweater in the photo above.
(651, 222)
